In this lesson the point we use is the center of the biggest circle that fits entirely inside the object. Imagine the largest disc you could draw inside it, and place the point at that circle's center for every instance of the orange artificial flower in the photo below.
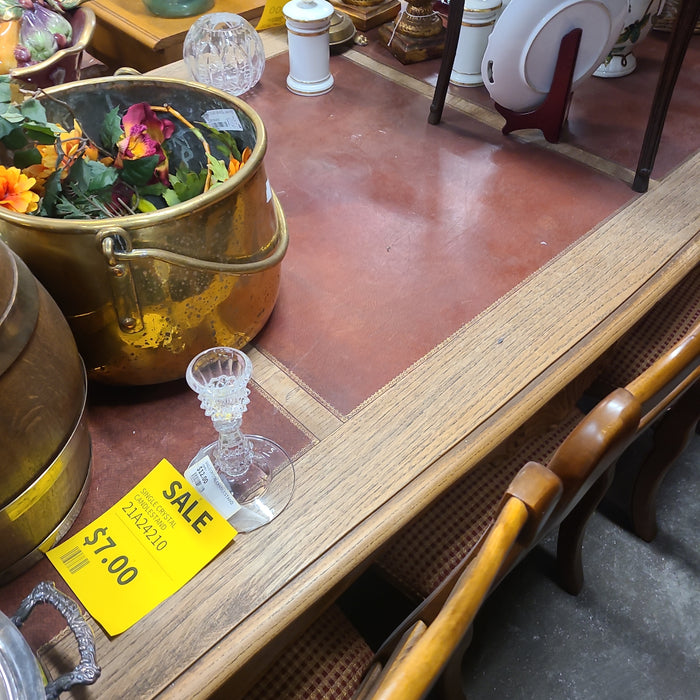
(69, 146)
(235, 165)
(74, 145)
(15, 191)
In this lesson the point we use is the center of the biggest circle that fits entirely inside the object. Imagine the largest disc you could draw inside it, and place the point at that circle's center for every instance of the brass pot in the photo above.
(45, 466)
(144, 293)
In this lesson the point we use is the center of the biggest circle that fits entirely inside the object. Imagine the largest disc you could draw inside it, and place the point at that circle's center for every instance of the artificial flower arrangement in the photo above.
(62, 173)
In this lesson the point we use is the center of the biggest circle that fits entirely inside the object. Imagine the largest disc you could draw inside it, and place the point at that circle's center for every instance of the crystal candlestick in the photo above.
(257, 470)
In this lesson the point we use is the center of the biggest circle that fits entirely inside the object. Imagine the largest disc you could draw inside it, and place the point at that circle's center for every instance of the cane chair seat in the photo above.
(669, 320)
(430, 547)
(329, 660)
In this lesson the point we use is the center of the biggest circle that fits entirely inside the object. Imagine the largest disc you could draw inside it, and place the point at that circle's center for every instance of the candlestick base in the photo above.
(416, 34)
(271, 476)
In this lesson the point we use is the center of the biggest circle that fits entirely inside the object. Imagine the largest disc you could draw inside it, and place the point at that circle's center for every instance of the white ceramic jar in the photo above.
(478, 20)
(308, 22)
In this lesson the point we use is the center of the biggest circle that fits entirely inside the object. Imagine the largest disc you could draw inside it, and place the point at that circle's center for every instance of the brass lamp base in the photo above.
(365, 16)
(409, 48)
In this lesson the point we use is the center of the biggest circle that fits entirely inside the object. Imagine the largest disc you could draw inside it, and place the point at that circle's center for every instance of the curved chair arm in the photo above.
(594, 444)
(669, 376)
(527, 505)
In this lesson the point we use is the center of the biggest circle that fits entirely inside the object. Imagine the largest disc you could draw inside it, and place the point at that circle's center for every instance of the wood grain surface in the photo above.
(367, 474)
(368, 477)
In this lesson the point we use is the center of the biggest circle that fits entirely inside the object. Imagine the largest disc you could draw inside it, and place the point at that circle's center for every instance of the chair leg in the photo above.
(671, 435)
(450, 681)
(571, 531)
(454, 25)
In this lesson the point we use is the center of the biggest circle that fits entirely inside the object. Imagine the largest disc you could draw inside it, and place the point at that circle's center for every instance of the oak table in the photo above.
(368, 467)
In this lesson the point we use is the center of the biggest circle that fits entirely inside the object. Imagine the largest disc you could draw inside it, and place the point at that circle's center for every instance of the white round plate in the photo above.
(519, 61)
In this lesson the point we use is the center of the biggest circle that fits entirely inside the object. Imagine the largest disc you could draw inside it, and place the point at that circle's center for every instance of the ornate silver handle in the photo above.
(87, 671)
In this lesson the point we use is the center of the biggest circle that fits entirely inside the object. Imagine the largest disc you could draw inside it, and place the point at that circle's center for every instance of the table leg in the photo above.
(678, 44)
(454, 25)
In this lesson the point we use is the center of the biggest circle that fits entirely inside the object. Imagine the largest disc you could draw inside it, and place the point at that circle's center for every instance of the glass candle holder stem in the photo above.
(256, 469)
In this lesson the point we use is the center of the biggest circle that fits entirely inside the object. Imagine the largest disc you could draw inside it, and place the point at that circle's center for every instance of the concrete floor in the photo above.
(633, 631)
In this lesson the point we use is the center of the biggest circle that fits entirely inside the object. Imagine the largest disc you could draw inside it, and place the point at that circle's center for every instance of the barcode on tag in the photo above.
(203, 476)
(74, 559)
(223, 120)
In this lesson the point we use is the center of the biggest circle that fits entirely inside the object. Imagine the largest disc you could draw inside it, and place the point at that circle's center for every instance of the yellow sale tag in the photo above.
(142, 550)
(272, 15)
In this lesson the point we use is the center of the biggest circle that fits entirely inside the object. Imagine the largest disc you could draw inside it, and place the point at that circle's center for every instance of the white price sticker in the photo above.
(223, 119)
(203, 476)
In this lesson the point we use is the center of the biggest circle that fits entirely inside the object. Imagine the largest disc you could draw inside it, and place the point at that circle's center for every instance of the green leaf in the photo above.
(224, 142)
(146, 206)
(43, 134)
(10, 9)
(155, 189)
(186, 184)
(219, 171)
(5, 127)
(15, 139)
(111, 131)
(100, 175)
(52, 189)
(27, 157)
(171, 198)
(140, 171)
(5, 89)
(33, 110)
(12, 114)
(91, 176)
(66, 209)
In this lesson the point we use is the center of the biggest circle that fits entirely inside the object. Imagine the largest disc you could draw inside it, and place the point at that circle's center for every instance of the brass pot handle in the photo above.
(123, 252)
(87, 671)
(112, 241)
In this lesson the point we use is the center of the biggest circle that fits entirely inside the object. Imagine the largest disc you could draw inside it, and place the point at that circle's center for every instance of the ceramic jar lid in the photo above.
(308, 10)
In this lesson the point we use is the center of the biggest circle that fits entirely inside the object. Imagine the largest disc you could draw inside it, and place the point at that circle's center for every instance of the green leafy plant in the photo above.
(54, 171)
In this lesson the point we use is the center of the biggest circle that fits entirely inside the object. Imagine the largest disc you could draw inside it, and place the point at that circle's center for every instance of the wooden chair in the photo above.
(581, 451)
(671, 417)
(577, 447)
(332, 660)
